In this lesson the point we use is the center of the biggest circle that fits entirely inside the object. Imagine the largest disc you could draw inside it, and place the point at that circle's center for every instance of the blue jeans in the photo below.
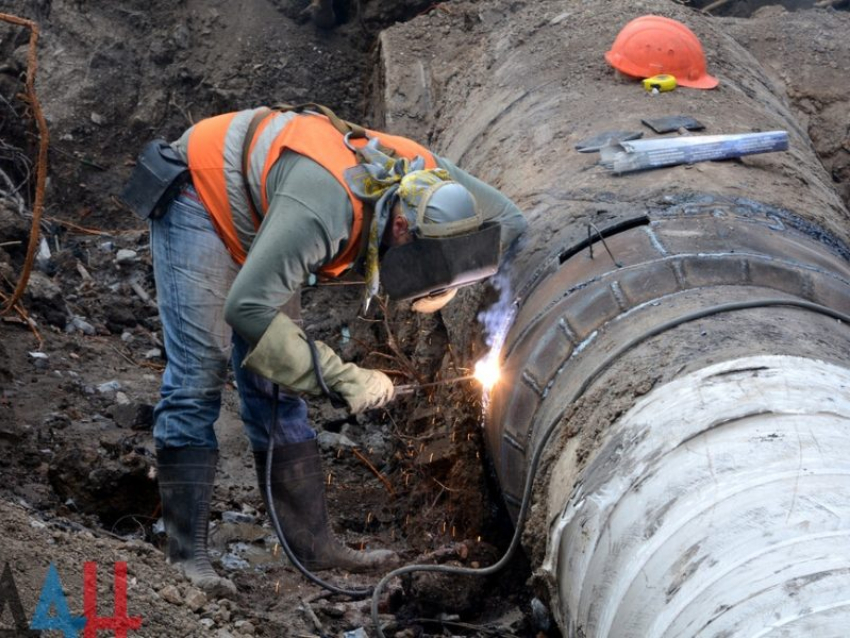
(193, 273)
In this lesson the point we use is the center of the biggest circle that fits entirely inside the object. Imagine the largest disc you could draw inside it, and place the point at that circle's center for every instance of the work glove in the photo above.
(283, 355)
(362, 389)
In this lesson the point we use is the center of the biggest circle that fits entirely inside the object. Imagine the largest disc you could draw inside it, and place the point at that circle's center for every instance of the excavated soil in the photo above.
(77, 481)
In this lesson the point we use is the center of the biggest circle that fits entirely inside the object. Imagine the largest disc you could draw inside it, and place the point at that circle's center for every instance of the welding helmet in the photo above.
(654, 45)
(451, 248)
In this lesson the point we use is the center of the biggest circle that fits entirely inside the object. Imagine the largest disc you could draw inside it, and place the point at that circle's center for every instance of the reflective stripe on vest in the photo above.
(215, 149)
(215, 155)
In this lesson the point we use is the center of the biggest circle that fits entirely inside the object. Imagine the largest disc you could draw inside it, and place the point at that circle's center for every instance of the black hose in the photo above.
(352, 593)
(538, 450)
(335, 397)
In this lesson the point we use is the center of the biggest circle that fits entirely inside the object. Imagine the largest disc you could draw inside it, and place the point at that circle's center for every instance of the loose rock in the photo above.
(125, 257)
(171, 594)
(195, 599)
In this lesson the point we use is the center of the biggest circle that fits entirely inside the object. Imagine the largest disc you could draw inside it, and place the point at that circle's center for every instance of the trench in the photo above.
(678, 351)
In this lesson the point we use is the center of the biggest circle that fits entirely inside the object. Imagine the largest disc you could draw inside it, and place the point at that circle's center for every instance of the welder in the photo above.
(265, 199)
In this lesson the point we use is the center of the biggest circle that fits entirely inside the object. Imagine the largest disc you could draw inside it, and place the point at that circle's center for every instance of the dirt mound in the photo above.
(806, 52)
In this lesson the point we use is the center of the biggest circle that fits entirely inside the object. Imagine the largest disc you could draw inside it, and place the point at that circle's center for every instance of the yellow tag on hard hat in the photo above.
(659, 83)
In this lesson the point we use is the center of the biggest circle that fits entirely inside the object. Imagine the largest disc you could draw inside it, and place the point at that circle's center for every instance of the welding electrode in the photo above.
(413, 387)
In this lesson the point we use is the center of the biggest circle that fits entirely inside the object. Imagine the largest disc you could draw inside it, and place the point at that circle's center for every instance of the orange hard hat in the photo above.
(652, 45)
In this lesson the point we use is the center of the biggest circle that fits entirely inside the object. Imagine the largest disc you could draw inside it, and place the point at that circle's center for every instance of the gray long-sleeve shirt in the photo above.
(308, 222)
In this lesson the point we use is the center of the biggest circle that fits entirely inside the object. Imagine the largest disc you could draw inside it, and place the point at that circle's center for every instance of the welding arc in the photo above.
(351, 593)
(547, 434)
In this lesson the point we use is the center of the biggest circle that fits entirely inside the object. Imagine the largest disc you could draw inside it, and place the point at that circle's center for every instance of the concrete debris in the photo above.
(37, 524)
(232, 562)
(43, 288)
(195, 599)
(44, 297)
(39, 359)
(125, 257)
(333, 441)
(42, 257)
(171, 594)
(109, 388)
(79, 324)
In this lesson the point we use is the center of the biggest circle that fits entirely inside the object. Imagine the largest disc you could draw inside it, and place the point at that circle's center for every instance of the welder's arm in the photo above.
(283, 355)
(494, 206)
(294, 241)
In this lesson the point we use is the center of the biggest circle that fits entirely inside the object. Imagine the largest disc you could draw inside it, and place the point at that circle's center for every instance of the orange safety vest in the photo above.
(310, 135)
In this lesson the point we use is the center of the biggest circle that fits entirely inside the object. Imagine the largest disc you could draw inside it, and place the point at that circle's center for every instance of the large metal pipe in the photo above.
(687, 379)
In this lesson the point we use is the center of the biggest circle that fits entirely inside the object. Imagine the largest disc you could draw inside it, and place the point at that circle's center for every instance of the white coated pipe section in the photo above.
(719, 505)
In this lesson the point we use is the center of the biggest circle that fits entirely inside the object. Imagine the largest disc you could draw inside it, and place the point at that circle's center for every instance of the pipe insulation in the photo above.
(730, 483)
(675, 342)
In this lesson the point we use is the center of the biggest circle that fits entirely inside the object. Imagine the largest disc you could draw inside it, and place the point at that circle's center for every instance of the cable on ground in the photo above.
(41, 162)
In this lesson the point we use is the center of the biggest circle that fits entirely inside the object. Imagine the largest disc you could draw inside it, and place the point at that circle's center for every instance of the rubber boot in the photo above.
(298, 491)
(186, 477)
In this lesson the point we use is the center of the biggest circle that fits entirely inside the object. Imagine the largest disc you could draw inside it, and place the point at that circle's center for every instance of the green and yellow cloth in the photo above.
(382, 180)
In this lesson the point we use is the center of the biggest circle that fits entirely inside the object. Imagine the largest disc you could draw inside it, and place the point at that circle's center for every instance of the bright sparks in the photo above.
(487, 371)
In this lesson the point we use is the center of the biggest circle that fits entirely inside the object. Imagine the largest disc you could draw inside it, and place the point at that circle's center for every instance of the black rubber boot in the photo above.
(298, 490)
(186, 477)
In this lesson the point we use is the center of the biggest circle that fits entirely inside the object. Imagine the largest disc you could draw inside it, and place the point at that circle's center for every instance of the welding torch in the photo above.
(400, 390)
(410, 388)
(334, 425)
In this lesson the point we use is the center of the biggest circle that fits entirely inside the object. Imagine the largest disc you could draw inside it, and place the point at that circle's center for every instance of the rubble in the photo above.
(109, 388)
(126, 257)
(171, 594)
(79, 324)
(331, 441)
(194, 599)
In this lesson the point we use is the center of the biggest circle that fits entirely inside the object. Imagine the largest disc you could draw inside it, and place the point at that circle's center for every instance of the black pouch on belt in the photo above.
(159, 175)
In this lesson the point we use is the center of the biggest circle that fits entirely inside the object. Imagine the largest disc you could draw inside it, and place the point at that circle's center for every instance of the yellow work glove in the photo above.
(283, 356)
(362, 389)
